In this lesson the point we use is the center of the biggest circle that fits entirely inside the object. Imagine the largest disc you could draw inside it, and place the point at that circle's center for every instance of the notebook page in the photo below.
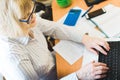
(109, 22)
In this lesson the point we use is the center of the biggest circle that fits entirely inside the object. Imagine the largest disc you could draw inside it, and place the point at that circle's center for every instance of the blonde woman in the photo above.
(23, 49)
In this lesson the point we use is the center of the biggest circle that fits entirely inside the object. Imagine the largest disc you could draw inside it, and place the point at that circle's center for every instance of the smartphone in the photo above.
(95, 13)
(72, 17)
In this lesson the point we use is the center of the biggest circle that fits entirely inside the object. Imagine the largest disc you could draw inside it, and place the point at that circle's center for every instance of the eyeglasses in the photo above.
(37, 7)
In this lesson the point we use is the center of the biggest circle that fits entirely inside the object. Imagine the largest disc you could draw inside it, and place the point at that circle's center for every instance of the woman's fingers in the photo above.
(104, 45)
(96, 44)
(100, 76)
(100, 49)
(99, 64)
(93, 51)
(99, 70)
(93, 70)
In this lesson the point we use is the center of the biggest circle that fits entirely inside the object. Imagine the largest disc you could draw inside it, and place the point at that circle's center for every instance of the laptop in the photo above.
(112, 60)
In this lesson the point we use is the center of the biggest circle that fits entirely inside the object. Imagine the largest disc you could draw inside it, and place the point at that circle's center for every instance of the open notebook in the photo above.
(109, 22)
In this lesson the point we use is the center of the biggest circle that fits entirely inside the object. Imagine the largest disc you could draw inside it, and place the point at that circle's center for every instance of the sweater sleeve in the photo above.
(59, 31)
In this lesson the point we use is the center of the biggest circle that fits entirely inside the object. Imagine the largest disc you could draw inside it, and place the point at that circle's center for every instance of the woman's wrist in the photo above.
(84, 37)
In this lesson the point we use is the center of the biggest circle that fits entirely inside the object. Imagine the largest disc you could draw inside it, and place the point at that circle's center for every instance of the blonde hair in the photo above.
(10, 13)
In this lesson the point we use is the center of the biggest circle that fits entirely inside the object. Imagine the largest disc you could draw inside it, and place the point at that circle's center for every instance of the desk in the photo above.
(63, 67)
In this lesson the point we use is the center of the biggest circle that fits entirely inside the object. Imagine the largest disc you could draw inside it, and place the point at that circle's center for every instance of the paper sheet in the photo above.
(69, 50)
(109, 22)
(88, 27)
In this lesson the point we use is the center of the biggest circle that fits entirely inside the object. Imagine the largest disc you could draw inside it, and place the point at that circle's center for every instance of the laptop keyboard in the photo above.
(112, 60)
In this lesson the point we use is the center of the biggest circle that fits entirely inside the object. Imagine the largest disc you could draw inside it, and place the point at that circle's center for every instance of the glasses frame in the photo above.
(28, 20)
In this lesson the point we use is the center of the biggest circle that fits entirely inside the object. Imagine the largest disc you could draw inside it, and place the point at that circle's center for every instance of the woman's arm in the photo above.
(91, 71)
(59, 31)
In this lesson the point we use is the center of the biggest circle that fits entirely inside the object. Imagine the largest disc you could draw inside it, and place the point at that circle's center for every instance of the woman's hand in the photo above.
(95, 44)
(93, 70)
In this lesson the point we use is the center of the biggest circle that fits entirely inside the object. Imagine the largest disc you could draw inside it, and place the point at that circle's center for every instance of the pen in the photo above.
(87, 11)
(99, 28)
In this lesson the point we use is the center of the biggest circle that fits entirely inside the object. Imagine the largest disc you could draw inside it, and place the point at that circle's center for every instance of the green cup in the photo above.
(64, 3)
